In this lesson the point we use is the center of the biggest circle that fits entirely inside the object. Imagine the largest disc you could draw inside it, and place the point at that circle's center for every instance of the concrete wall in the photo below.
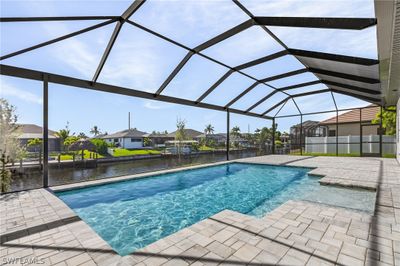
(354, 129)
(127, 143)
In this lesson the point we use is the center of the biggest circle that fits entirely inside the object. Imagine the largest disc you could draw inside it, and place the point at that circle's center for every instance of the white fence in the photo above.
(350, 144)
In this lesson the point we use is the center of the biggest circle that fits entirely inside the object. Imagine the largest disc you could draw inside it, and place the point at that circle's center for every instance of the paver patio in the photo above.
(37, 225)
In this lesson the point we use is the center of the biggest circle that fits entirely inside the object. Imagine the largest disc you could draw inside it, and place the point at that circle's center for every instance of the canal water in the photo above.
(61, 176)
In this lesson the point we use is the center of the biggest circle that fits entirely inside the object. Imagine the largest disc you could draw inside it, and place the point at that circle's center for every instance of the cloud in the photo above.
(12, 91)
(154, 105)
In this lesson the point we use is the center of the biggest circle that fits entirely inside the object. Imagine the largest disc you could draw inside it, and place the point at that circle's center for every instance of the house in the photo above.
(349, 123)
(32, 131)
(308, 128)
(159, 139)
(189, 134)
(127, 139)
(218, 138)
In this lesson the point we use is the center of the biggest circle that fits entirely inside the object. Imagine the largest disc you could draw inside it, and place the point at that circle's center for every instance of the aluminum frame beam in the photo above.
(317, 22)
(350, 87)
(299, 85)
(334, 57)
(343, 75)
(276, 105)
(285, 75)
(87, 84)
(219, 38)
(126, 15)
(64, 18)
(61, 38)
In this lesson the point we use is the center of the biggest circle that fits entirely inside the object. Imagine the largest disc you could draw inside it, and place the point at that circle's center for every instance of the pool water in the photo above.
(132, 214)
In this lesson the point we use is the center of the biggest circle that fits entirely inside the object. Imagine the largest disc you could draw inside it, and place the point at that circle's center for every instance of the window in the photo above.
(332, 133)
(136, 140)
(115, 140)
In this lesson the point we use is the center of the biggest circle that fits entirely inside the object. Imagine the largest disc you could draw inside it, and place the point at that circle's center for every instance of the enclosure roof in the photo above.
(244, 63)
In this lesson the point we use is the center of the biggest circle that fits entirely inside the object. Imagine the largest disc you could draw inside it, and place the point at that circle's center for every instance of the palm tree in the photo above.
(235, 132)
(63, 134)
(209, 129)
(180, 134)
(95, 131)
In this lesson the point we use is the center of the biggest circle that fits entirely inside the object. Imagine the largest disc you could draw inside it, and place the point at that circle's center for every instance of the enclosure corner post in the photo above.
(273, 135)
(227, 134)
(45, 142)
(301, 134)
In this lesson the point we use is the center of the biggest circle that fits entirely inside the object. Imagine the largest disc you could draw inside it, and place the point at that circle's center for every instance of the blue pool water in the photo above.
(132, 214)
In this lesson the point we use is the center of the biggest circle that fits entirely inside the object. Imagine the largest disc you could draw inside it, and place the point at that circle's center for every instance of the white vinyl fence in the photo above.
(350, 144)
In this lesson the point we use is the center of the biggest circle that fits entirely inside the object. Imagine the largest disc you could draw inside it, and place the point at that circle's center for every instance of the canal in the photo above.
(33, 179)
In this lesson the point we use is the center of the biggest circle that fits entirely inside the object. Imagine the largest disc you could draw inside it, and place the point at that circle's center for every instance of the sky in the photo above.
(142, 61)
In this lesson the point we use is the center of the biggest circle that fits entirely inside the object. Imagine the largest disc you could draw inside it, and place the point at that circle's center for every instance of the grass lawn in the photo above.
(118, 152)
(205, 148)
(86, 153)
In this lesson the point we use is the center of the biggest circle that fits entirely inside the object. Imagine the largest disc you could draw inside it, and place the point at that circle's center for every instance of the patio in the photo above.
(248, 66)
(37, 225)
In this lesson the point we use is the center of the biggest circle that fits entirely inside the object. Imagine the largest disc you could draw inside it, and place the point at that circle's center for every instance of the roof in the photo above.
(368, 114)
(191, 133)
(157, 135)
(334, 74)
(32, 131)
(308, 123)
(127, 133)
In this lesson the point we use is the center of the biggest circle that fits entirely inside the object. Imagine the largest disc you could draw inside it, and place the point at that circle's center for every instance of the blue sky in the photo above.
(142, 61)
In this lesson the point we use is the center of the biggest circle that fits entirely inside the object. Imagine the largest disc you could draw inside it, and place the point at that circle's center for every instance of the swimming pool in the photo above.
(132, 214)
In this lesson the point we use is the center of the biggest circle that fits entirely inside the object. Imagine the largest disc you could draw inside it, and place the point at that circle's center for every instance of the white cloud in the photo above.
(24, 95)
(154, 105)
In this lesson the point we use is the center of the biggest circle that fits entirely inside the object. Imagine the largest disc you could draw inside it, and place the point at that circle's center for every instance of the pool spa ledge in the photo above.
(37, 226)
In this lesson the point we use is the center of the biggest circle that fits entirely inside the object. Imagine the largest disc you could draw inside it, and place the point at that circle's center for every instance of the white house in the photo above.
(127, 139)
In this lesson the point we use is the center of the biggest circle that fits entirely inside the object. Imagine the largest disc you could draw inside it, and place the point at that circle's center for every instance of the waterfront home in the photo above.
(350, 123)
(127, 139)
(32, 131)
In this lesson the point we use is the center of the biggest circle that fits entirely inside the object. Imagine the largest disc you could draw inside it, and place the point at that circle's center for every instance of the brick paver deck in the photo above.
(37, 225)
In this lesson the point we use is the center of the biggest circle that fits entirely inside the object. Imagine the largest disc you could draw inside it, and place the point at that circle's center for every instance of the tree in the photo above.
(95, 131)
(82, 135)
(209, 129)
(388, 120)
(264, 134)
(101, 146)
(37, 144)
(63, 134)
(10, 148)
(146, 141)
(70, 140)
(180, 134)
(235, 132)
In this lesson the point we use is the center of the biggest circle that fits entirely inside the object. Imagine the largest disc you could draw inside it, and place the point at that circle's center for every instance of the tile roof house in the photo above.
(349, 122)
(127, 139)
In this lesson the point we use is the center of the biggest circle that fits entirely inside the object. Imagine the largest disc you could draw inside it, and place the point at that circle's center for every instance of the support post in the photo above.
(380, 133)
(301, 134)
(337, 133)
(45, 142)
(227, 134)
(273, 135)
(361, 134)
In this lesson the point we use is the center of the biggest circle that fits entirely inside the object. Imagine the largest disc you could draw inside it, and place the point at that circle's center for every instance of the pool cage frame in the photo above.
(349, 89)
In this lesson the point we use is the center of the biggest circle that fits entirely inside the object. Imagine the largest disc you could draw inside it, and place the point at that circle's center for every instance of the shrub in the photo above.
(101, 146)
